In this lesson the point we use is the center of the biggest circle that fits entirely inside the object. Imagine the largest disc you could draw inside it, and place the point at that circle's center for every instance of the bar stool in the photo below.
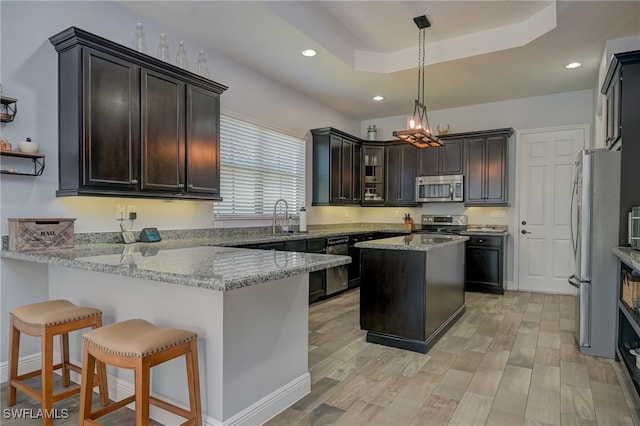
(46, 320)
(139, 345)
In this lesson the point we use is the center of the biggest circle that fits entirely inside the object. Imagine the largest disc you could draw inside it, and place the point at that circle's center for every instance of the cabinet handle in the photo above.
(134, 181)
(190, 186)
(480, 240)
(181, 186)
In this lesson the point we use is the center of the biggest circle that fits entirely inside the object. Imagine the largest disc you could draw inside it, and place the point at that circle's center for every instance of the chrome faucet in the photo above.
(275, 209)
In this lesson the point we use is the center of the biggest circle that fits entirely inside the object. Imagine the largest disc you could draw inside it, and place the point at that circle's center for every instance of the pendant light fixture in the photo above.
(418, 131)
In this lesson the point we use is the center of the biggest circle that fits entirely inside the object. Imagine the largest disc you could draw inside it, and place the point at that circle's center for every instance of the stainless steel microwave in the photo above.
(439, 189)
(634, 228)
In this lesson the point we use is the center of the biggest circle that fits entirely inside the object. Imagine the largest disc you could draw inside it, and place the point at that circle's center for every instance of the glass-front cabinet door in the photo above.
(373, 181)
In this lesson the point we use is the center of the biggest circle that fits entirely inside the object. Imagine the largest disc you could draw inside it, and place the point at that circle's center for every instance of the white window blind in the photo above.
(258, 165)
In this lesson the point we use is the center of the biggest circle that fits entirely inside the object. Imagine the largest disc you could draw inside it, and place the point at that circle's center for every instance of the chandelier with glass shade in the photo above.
(418, 131)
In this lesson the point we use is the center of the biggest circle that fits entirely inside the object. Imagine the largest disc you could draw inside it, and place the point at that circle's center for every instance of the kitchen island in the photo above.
(411, 289)
(249, 308)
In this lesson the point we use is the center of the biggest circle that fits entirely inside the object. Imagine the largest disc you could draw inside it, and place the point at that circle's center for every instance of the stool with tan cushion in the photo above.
(139, 345)
(46, 320)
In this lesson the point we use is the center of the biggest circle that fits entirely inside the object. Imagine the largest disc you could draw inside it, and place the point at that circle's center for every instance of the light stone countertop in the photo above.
(193, 262)
(414, 242)
(629, 256)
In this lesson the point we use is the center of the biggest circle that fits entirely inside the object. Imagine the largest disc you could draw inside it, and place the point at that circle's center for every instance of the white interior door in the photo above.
(545, 164)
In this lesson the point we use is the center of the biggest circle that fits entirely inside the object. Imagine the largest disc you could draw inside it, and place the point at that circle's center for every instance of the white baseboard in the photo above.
(25, 364)
(257, 413)
(511, 285)
(273, 404)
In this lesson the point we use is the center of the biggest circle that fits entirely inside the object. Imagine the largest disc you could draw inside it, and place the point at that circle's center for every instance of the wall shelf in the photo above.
(8, 109)
(36, 158)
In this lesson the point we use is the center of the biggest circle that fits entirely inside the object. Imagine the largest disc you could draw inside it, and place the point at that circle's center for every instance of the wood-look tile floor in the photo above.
(509, 360)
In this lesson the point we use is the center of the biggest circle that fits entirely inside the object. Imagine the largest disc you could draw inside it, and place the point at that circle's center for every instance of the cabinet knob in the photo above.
(181, 186)
(480, 240)
(190, 186)
(134, 181)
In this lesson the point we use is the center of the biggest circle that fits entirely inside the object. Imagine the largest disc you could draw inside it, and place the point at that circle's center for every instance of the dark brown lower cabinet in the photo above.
(409, 299)
(484, 264)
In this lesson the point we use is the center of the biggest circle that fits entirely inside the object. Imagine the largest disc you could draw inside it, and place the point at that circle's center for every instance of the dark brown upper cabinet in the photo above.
(444, 160)
(621, 87)
(337, 172)
(401, 161)
(486, 173)
(132, 125)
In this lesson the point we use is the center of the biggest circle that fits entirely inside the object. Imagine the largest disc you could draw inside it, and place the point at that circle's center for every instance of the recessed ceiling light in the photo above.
(378, 98)
(572, 65)
(309, 52)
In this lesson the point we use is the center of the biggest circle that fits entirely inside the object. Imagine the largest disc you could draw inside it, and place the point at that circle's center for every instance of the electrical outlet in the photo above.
(498, 213)
(396, 213)
(132, 212)
(346, 212)
(120, 212)
(217, 224)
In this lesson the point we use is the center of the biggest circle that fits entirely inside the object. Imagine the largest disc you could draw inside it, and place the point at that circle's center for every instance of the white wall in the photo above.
(29, 73)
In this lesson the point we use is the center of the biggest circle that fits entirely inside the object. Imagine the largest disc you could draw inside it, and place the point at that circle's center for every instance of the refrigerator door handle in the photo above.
(574, 243)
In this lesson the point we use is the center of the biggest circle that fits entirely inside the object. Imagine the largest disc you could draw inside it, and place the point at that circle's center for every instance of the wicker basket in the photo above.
(41, 234)
(630, 288)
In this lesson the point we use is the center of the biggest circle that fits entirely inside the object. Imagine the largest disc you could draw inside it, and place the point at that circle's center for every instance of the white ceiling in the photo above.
(477, 51)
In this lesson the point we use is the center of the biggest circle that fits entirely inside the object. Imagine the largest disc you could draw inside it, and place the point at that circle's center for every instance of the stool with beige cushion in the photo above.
(46, 320)
(139, 345)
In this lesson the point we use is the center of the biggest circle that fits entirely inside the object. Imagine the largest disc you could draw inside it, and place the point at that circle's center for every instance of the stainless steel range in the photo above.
(442, 224)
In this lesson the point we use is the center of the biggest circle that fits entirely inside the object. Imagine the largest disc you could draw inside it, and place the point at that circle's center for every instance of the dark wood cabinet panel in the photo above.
(162, 133)
(400, 170)
(109, 150)
(132, 125)
(428, 162)
(337, 170)
(486, 174)
(474, 176)
(445, 160)
(621, 88)
(496, 170)
(203, 136)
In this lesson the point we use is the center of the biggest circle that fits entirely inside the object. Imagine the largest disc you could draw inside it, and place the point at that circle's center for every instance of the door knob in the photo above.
(524, 222)
(524, 231)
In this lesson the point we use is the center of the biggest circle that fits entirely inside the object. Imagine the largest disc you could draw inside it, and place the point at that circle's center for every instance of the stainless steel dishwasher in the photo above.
(337, 277)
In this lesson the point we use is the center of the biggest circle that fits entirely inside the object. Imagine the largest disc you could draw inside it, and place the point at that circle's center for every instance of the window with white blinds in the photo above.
(258, 165)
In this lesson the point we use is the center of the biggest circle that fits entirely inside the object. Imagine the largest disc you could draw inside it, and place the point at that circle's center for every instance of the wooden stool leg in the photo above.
(193, 379)
(103, 386)
(64, 358)
(143, 390)
(86, 386)
(14, 355)
(47, 377)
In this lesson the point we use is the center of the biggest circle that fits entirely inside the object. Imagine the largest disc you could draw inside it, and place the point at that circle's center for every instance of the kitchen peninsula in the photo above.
(413, 303)
(249, 308)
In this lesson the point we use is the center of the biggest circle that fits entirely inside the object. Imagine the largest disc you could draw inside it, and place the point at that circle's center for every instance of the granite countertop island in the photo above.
(411, 289)
(413, 242)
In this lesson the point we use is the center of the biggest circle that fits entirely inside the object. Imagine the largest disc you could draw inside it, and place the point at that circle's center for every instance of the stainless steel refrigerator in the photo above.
(595, 200)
